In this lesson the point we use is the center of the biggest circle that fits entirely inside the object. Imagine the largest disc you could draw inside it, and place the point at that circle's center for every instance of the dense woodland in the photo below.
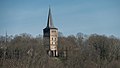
(82, 51)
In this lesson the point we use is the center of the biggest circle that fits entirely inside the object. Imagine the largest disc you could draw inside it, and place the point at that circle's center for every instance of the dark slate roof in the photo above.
(50, 22)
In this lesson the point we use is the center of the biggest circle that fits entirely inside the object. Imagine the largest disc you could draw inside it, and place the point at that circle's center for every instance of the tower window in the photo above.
(55, 39)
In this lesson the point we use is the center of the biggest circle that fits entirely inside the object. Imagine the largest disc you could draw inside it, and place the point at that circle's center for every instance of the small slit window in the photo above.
(54, 31)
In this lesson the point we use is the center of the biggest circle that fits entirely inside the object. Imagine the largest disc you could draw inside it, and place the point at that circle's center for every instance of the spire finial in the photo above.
(49, 6)
(6, 33)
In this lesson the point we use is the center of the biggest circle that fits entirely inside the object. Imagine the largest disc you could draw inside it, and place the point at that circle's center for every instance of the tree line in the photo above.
(82, 51)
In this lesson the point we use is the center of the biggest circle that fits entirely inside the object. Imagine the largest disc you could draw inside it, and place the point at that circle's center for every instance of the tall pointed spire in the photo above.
(50, 22)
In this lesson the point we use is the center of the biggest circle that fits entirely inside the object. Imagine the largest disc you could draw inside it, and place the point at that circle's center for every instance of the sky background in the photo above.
(69, 16)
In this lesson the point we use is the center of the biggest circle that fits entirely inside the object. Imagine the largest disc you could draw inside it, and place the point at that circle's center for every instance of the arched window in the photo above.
(55, 39)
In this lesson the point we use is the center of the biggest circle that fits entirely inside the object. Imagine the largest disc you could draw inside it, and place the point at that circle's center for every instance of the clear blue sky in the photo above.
(69, 16)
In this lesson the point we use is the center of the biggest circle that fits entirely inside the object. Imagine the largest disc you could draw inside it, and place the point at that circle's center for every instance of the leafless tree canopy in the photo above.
(82, 51)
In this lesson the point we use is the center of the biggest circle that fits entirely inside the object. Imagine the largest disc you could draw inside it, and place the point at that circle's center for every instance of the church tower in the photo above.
(50, 35)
